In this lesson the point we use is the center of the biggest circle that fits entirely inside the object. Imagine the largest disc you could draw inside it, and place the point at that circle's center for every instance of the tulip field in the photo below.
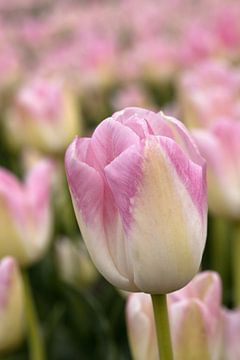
(120, 180)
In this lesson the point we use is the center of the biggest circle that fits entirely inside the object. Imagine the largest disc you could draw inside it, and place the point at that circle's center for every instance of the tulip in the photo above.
(195, 315)
(139, 191)
(209, 92)
(25, 213)
(220, 146)
(231, 326)
(11, 305)
(141, 327)
(44, 116)
(195, 319)
(74, 264)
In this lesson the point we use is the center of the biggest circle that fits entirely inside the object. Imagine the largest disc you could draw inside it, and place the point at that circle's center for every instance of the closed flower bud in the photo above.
(25, 213)
(195, 321)
(139, 192)
(11, 305)
(209, 92)
(220, 146)
(44, 116)
(74, 264)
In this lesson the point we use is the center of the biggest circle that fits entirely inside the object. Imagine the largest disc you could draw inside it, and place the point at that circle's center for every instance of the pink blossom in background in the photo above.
(220, 146)
(208, 93)
(44, 116)
(195, 321)
(26, 217)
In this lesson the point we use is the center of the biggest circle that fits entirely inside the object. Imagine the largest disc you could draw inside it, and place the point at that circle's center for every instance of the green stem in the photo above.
(35, 341)
(220, 250)
(236, 263)
(162, 327)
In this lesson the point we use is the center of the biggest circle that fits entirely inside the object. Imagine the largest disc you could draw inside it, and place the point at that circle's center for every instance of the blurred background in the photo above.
(64, 67)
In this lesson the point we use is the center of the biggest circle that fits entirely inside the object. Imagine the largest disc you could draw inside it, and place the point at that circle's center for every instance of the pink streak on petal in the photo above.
(85, 183)
(192, 175)
(182, 138)
(123, 176)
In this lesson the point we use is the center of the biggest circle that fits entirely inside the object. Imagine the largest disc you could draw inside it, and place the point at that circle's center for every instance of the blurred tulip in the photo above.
(141, 327)
(231, 325)
(195, 315)
(209, 92)
(74, 264)
(25, 213)
(44, 116)
(12, 317)
(220, 146)
(139, 191)
(195, 320)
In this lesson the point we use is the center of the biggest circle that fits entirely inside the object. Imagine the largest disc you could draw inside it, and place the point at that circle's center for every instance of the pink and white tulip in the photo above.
(12, 317)
(139, 191)
(220, 146)
(44, 116)
(195, 321)
(25, 213)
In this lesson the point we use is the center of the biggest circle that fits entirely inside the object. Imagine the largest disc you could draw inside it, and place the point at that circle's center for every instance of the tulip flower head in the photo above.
(44, 116)
(208, 93)
(25, 213)
(11, 304)
(139, 191)
(220, 146)
(195, 321)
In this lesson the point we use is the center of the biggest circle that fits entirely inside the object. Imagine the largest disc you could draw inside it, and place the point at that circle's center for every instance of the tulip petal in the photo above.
(163, 198)
(141, 327)
(123, 175)
(190, 342)
(191, 174)
(110, 139)
(87, 190)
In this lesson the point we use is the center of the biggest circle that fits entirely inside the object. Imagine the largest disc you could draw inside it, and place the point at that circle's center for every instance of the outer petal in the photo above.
(206, 287)
(163, 197)
(87, 190)
(190, 335)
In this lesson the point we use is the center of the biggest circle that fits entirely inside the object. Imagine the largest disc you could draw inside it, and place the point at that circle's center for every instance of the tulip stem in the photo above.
(162, 327)
(236, 263)
(35, 341)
